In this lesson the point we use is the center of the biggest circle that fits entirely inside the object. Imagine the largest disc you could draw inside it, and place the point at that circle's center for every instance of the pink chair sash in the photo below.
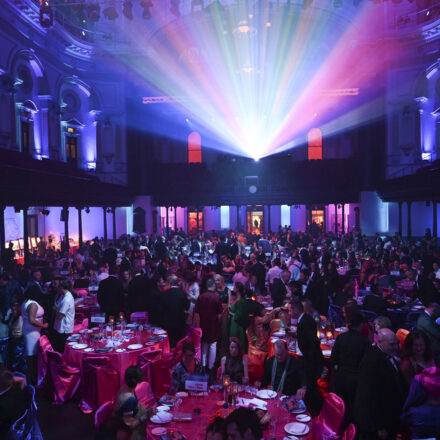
(146, 360)
(103, 412)
(350, 433)
(141, 317)
(82, 292)
(145, 394)
(332, 412)
(100, 383)
(42, 364)
(65, 379)
(319, 431)
(194, 334)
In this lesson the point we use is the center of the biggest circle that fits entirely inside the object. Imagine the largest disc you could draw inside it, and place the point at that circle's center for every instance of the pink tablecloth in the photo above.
(119, 361)
(196, 430)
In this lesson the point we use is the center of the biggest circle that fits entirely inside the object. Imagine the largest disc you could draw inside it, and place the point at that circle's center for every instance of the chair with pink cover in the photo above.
(139, 317)
(42, 365)
(194, 334)
(100, 383)
(145, 394)
(81, 326)
(256, 360)
(350, 433)
(65, 380)
(319, 431)
(146, 360)
(332, 412)
(103, 413)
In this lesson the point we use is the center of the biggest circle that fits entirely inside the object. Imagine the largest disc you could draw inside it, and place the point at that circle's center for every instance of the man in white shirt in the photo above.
(436, 270)
(274, 271)
(65, 316)
(103, 272)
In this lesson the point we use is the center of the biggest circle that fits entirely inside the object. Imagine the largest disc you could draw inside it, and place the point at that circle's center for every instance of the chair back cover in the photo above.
(256, 363)
(26, 427)
(146, 360)
(401, 335)
(100, 383)
(103, 412)
(332, 412)
(65, 379)
(350, 433)
(145, 394)
(194, 334)
(42, 367)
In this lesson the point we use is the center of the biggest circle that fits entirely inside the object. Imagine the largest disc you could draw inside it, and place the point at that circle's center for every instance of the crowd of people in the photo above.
(217, 282)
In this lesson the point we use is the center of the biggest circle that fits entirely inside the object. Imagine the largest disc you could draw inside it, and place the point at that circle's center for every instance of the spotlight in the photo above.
(110, 13)
(146, 12)
(93, 12)
(127, 10)
(46, 15)
(174, 7)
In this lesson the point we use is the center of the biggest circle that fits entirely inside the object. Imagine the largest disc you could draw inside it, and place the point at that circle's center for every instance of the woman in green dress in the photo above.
(239, 315)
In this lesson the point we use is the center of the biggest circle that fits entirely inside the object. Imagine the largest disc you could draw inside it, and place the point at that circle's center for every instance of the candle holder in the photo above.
(226, 383)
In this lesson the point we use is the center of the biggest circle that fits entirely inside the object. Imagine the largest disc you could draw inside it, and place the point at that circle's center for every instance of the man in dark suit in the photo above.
(111, 294)
(426, 323)
(313, 288)
(381, 390)
(257, 268)
(175, 303)
(280, 288)
(424, 289)
(308, 341)
(138, 293)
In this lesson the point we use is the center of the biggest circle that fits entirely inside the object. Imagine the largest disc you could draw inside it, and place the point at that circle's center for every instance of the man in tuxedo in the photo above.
(111, 294)
(257, 268)
(313, 288)
(426, 323)
(308, 341)
(175, 303)
(381, 390)
(280, 288)
(138, 290)
(424, 288)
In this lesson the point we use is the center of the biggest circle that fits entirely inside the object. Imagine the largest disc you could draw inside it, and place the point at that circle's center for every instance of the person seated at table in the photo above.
(187, 366)
(243, 424)
(421, 411)
(285, 374)
(416, 355)
(216, 430)
(13, 401)
(235, 365)
(133, 413)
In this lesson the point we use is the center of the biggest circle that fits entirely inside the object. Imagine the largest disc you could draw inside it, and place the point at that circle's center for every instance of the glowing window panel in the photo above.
(315, 144)
(194, 148)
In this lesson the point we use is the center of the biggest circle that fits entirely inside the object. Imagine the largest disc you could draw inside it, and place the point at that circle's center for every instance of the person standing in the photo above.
(111, 295)
(175, 303)
(208, 310)
(239, 316)
(64, 316)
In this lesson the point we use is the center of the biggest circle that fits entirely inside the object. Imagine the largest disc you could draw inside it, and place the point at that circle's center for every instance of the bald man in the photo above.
(381, 390)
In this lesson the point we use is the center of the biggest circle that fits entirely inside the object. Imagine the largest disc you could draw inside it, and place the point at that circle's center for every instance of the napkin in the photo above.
(258, 402)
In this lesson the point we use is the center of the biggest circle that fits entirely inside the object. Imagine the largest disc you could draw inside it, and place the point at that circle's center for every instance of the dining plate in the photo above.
(266, 394)
(269, 308)
(279, 334)
(71, 343)
(162, 408)
(162, 417)
(327, 352)
(304, 418)
(159, 431)
(159, 331)
(296, 428)
(134, 346)
(290, 437)
(79, 346)
(120, 350)
(182, 394)
(74, 338)
(341, 329)
(149, 344)
(88, 350)
(134, 325)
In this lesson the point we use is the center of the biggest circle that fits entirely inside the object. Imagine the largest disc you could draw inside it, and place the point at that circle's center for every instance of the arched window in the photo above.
(194, 148)
(315, 144)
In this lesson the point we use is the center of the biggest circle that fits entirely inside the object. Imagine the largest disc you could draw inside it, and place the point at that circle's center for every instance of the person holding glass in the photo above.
(187, 366)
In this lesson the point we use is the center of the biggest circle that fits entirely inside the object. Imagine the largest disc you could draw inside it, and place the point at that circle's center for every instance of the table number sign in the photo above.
(197, 382)
(98, 318)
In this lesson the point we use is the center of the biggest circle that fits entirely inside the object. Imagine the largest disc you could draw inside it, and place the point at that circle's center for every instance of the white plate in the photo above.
(290, 437)
(182, 394)
(159, 431)
(303, 418)
(274, 339)
(279, 334)
(341, 329)
(79, 346)
(120, 350)
(163, 408)
(269, 308)
(133, 325)
(89, 349)
(159, 331)
(298, 410)
(296, 428)
(134, 346)
(327, 352)
(72, 343)
(266, 394)
(162, 417)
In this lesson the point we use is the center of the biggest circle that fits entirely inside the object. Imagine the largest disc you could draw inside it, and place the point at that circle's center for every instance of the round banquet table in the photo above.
(196, 429)
(119, 360)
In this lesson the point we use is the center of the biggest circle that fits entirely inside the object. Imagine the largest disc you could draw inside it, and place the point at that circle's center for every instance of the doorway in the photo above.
(255, 219)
